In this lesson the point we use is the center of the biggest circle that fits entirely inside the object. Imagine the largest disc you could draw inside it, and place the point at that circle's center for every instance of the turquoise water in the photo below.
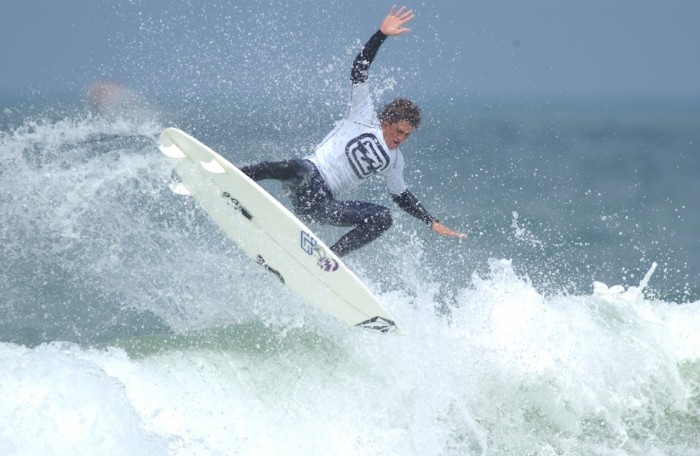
(566, 324)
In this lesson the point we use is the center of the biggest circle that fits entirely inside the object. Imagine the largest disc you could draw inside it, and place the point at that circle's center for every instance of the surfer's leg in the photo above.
(279, 170)
(370, 221)
(313, 201)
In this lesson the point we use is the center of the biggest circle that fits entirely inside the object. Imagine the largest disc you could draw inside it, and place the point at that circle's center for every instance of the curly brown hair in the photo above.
(401, 109)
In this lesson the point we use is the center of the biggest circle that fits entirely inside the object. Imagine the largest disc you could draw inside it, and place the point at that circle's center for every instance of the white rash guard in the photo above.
(355, 149)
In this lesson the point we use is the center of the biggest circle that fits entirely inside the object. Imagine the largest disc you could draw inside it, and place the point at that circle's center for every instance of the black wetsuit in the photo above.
(311, 194)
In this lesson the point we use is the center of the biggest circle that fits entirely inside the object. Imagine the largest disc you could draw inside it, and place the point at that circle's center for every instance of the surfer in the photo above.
(360, 146)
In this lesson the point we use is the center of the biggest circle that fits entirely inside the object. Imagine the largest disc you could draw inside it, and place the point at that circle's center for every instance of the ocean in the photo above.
(567, 324)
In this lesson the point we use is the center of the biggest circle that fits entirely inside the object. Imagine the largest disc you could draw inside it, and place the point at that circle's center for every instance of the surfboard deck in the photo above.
(271, 235)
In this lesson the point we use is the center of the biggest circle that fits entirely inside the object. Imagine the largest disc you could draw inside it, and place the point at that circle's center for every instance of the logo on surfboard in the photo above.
(261, 261)
(237, 205)
(378, 324)
(311, 247)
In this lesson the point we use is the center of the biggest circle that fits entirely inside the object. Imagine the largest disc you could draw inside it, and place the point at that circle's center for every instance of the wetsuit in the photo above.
(353, 151)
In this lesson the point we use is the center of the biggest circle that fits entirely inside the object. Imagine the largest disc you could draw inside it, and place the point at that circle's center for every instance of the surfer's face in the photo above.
(396, 133)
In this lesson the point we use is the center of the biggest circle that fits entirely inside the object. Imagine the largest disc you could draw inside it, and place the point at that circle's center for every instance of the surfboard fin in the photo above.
(212, 166)
(179, 189)
(171, 150)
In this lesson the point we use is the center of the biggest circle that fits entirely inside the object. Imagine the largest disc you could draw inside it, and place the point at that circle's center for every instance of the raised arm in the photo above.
(392, 25)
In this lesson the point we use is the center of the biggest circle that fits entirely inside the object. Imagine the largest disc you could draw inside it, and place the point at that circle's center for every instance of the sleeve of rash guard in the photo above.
(409, 203)
(360, 66)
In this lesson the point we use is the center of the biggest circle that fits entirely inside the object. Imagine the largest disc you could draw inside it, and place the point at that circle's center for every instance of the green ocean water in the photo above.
(566, 324)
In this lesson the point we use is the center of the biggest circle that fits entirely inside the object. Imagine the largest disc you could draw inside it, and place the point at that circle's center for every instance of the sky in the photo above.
(456, 48)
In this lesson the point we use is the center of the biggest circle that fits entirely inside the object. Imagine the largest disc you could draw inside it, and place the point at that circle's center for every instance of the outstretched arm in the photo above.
(392, 25)
(409, 203)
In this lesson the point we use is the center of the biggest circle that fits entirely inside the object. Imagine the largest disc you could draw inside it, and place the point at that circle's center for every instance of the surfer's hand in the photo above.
(393, 23)
(442, 230)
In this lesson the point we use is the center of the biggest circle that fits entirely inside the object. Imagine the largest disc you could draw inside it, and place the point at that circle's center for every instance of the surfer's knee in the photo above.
(376, 221)
(381, 220)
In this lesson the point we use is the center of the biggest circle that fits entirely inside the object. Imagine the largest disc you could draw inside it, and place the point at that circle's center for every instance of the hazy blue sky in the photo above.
(456, 47)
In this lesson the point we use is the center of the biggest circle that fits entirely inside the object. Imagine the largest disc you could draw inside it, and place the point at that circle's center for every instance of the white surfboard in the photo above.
(271, 235)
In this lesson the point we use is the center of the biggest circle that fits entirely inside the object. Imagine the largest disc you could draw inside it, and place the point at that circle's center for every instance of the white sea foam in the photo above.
(177, 349)
(510, 371)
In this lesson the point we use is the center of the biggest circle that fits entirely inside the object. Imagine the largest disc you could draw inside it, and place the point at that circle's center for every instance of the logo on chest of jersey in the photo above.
(366, 155)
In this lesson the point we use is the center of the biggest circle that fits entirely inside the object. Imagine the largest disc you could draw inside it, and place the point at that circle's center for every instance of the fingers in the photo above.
(402, 15)
(393, 23)
(455, 234)
(444, 231)
(405, 17)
